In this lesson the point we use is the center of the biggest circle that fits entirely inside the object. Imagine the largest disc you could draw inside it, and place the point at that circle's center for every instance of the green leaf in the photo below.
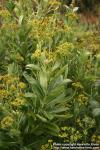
(20, 19)
(59, 110)
(96, 112)
(62, 70)
(43, 79)
(53, 127)
(67, 116)
(10, 5)
(65, 81)
(41, 118)
(59, 99)
(56, 66)
(31, 95)
(94, 104)
(12, 69)
(48, 115)
(32, 66)
(37, 89)
(57, 91)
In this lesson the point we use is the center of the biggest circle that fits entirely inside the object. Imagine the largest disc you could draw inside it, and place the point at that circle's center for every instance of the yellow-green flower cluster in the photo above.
(20, 94)
(47, 28)
(45, 147)
(92, 39)
(8, 79)
(50, 56)
(11, 26)
(40, 22)
(89, 121)
(7, 122)
(64, 49)
(34, 22)
(67, 28)
(54, 3)
(61, 27)
(37, 53)
(3, 94)
(96, 139)
(72, 16)
(77, 85)
(13, 87)
(76, 136)
(22, 85)
(50, 141)
(4, 13)
(82, 99)
(39, 28)
(70, 134)
(94, 47)
(63, 135)
(86, 122)
(80, 123)
(18, 102)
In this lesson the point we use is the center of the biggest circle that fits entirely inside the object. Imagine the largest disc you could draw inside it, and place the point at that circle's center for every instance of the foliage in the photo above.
(49, 76)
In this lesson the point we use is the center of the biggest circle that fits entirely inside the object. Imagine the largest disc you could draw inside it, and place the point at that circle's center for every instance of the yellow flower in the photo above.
(72, 16)
(22, 85)
(7, 122)
(37, 53)
(3, 93)
(77, 85)
(17, 102)
(20, 94)
(45, 147)
(64, 128)
(96, 139)
(10, 26)
(54, 3)
(63, 135)
(13, 26)
(67, 29)
(34, 22)
(13, 87)
(64, 48)
(4, 13)
(82, 99)
(50, 141)
(8, 79)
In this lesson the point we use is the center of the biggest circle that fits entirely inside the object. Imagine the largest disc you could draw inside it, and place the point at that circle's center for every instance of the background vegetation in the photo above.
(49, 76)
